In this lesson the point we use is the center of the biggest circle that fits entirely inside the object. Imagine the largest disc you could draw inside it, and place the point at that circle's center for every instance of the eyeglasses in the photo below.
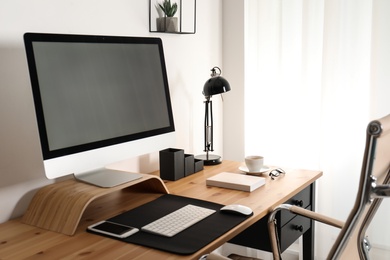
(276, 172)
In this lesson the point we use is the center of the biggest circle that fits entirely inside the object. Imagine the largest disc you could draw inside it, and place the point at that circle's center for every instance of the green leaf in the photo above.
(168, 8)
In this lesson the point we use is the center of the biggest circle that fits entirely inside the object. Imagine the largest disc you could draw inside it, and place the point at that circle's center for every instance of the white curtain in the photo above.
(315, 76)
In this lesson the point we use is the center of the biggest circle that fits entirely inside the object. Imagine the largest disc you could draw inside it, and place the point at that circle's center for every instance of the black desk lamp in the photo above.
(215, 85)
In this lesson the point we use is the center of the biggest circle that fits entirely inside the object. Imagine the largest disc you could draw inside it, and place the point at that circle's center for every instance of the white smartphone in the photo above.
(113, 229)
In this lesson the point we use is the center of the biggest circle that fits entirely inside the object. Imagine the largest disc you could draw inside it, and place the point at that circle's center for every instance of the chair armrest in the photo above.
(317, 216)
(299, 211)
(306, 213)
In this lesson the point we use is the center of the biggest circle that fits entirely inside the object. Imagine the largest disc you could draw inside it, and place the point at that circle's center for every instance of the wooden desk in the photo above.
(20, 241)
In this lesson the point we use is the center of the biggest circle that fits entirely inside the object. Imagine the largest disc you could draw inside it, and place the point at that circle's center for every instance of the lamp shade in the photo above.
(216, 85)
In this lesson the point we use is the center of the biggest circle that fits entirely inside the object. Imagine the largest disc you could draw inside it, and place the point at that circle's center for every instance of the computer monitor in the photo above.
(98, 100)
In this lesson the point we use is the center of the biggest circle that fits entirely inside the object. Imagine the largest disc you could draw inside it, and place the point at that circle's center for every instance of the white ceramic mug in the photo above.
(254, 163)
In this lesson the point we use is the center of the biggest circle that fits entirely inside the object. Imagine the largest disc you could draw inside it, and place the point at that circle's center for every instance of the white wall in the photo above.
(188, 58)
(234, 70)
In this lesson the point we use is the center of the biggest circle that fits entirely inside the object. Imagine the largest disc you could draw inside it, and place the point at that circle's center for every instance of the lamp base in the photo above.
(209, 159)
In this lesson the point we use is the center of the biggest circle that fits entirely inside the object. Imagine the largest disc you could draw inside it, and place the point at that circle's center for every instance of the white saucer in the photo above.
(245, 169)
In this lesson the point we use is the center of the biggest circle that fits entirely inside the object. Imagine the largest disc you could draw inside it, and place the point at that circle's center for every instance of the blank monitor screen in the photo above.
(96, 91)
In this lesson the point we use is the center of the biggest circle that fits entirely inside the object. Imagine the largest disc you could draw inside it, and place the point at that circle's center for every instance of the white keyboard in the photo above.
(178, 220)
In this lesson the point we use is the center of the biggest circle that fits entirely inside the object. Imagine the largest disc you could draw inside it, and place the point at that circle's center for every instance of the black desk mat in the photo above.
(186, 242)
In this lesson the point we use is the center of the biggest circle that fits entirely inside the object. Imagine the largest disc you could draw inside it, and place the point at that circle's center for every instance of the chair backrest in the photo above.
(350, 243)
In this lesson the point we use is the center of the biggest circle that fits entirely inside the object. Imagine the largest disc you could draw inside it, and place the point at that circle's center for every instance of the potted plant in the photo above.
(167, 23)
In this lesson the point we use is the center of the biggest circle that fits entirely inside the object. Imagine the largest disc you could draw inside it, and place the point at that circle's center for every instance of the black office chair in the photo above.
(351, 242)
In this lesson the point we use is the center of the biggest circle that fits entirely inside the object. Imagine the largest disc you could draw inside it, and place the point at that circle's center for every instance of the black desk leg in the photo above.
(308, 243)
(308, 236)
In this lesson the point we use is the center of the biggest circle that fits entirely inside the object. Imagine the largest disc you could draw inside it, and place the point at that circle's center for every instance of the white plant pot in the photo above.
(167, 24)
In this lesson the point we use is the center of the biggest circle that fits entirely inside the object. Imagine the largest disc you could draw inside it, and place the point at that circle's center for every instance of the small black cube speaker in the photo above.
(171, 164)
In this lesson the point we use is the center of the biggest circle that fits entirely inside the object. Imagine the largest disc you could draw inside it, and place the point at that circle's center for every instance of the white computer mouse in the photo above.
(237, 209)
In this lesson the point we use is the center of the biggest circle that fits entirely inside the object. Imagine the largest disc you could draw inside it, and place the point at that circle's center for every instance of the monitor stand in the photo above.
(59, 206)
(106, 178)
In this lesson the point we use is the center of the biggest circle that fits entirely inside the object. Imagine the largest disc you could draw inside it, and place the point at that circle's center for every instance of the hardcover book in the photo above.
(236, 181)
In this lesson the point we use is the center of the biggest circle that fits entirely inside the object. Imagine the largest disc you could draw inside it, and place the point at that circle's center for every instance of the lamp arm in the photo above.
(211, 127)
(208, 126)
(206, 123)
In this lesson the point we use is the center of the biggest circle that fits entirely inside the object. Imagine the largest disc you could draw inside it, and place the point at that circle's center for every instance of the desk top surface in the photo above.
(20, 241)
